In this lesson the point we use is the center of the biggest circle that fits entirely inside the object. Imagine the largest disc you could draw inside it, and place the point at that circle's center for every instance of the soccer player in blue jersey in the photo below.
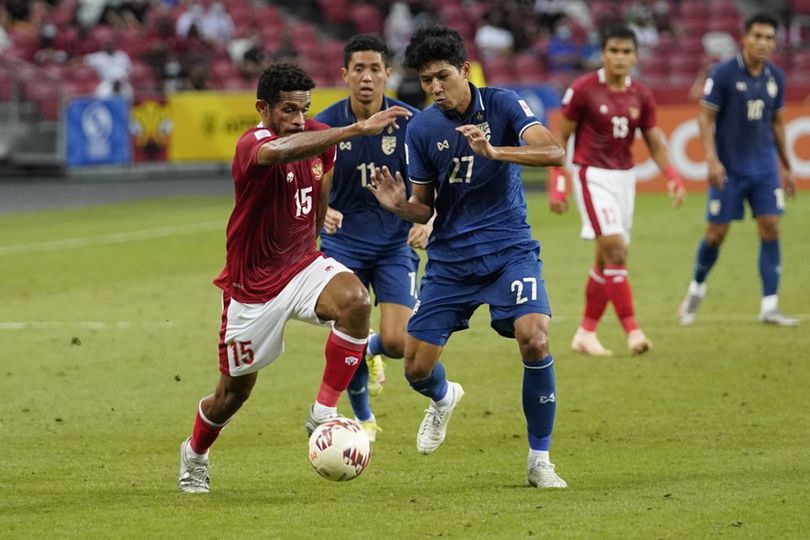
(742, 128)
(371, 241)
(463, 156)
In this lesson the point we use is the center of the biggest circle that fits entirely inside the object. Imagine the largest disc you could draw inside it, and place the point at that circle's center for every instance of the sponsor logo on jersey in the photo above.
(741, 86)
(603, 108)
(444, 145)
(389, 144)
(707, 87)
(772, 87)
(346, 145)
(526, 109)
(317, 169)
(290, 176)
(262, 134)
(635, 112)
(351, 360)
(569, 93)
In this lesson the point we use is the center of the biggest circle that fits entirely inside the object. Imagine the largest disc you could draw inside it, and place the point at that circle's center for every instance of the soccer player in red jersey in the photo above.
(282, 171)
(603, 110)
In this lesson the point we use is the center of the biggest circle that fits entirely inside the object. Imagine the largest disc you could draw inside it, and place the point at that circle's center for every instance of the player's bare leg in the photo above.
(769, 270)
(539, 398)
(393, 324)
(345, 301)
(707, 253)
(611, 250)
(426, 375)
(213, 413)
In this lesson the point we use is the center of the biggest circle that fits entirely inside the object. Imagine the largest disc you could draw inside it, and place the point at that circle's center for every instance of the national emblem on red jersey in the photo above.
(317, 169)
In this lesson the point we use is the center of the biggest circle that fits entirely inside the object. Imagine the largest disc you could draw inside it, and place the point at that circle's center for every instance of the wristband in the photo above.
(557, 184)
(672, 176)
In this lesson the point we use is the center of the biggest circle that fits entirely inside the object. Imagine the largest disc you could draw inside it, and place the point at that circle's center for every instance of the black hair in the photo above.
(282, 77)
(435, 44)
(760, 18)
(365, 42)
(619, 32)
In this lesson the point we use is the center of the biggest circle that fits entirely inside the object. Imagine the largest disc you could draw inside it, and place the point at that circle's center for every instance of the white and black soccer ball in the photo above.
(339, 449)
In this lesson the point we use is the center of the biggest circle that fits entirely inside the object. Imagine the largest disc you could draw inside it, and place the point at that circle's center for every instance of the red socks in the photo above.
(204, 433)
(343, 354)
(617, 290)
(596, 300)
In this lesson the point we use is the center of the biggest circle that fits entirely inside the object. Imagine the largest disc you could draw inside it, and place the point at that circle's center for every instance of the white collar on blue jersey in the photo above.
(740, 62)
(475, 93)
(603, 78)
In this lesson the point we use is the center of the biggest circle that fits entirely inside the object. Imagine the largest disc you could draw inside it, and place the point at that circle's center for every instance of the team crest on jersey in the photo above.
(290, 177)
(317, 169)
(634, 112)
(484, 126)
(772, 87)
(389, 144)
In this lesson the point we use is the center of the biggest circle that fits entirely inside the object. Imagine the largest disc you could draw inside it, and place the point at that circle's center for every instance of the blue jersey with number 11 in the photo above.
(480, 207)
(368, 230)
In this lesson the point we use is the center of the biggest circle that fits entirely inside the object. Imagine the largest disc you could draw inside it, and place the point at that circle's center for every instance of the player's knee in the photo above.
(414, 371)
(533, 346)
(769, 231)
(393, 342)
(354, 308)
(715, 235)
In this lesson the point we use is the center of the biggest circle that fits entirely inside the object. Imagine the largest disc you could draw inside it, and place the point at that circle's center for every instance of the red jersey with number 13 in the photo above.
(607, 119)
(271, 231)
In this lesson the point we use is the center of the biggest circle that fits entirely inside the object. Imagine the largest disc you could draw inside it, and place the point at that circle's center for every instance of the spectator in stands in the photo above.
(492, 38)
(563, 51)
(217, 25)
(193, 16)
(112, 89)
(47, 53)
(409, 88)
(5, 21)
(398, 29)
(640, 21)
(425, 14)
(112, 66)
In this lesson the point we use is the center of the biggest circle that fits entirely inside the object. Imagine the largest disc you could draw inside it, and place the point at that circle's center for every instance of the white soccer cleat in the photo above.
(586, 342)
(193, 471)
(541, 474)
(776, 317)
(688, 308)
(370, 427)
(313, 422)
(637, 342)
(433, 428)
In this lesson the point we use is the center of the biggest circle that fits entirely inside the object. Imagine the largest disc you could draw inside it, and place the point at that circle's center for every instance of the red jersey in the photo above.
(607, 119)
(271, 231)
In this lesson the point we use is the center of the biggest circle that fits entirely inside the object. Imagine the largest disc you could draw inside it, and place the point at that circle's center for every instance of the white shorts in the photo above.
(605, 198)
(252, 335)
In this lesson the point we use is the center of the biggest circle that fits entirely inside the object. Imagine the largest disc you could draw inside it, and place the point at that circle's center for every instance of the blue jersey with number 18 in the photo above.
(368, 230)
(480, 207)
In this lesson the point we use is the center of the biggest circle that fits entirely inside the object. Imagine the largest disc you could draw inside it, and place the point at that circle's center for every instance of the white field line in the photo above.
(88, 325)
(117, 238)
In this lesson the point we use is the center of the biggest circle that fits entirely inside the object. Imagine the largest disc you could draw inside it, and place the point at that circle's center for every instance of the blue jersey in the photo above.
(368, 230)
(745, 108)
(480, 207)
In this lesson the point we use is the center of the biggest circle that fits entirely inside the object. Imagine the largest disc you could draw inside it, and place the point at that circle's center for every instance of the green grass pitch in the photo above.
(108, 333)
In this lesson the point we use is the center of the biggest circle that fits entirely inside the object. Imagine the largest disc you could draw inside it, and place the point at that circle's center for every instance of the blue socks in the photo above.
(539, 401)
(358, 392)
(435, 386)
(769, 266)
(706, 257)
(375, 346)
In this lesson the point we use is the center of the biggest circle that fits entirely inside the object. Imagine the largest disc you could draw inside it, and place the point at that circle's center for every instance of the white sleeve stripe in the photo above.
(420, 181)
(527, 126)
(710, 105)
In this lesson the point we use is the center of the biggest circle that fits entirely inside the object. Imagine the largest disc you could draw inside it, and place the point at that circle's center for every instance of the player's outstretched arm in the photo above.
(788, 182)
(311, 143)
(541, 150)
(658, 151)
(390, 192)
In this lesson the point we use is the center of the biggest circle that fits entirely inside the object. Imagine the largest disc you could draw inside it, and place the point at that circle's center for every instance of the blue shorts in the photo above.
(763, 193)
(392, 276)
(510, 282)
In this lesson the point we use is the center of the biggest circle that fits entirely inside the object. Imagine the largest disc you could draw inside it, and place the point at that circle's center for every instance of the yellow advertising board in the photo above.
(206, 125)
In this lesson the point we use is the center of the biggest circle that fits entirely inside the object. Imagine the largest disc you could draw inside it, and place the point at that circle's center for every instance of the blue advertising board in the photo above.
(97, 131)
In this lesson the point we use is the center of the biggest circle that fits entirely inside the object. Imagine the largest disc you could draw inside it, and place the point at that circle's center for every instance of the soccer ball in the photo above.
(339, 449)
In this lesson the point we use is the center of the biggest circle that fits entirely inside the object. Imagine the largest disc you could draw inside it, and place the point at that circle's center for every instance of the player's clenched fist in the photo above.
(333, 220)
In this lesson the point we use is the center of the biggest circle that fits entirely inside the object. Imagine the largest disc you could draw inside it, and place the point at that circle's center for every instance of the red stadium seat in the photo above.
(367, 19)
(800, 7)
(336, 11)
